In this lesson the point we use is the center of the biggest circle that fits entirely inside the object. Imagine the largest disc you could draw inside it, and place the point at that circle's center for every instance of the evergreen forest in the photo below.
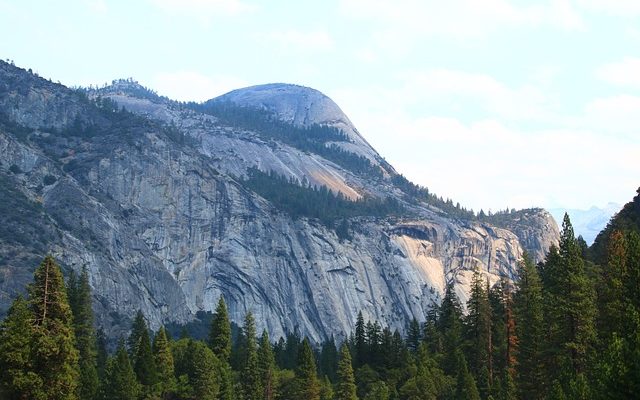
(568, 328)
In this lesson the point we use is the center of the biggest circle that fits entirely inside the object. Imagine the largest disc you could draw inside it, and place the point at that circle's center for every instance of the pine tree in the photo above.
(266, 366)
(307, 385)
(251, 379)
(373, 334)
(632, 283)
(612, 293)
(101, 353)
(143, 363)
(54, 356)
(138, 328)
(478, 326)
(360, 341)
(528, 305)
(163, 360)
(18, 379)
(203, 367)
(120, 381)
(450, 329)
(326, 389)
(569, 311)
(220, 333)
(465, 384)
(226, 380)
(577, 302)
(414, 335)
(81, 306)
(346, 387)
(430, 335)
(329, 359)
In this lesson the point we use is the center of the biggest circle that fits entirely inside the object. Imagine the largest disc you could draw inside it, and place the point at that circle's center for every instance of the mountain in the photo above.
(587, 223)
(627, 219)
(267, 195)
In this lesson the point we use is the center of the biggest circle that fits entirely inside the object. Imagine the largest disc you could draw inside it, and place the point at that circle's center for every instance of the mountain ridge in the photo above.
(152, 196)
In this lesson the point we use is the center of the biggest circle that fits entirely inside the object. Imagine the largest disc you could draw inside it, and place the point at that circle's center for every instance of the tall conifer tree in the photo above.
(251, 379)
(530, 327)
(164, 367)
(54, 355)
(143, 363)
(18, 379)
(266, 366)
(449, 327)
(220, 333)
(307, 385)
(577, 301)
(346, 387)
(120, 381)
(478, 325)
(83, 323)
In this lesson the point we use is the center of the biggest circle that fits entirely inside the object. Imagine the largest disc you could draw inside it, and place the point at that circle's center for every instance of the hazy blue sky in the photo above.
(490, 102)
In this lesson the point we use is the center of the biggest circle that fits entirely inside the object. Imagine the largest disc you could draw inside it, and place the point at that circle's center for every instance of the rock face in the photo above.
(152, 202)
(301, 106)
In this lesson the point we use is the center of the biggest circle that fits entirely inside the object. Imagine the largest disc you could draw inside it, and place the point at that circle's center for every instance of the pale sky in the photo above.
(493, 103)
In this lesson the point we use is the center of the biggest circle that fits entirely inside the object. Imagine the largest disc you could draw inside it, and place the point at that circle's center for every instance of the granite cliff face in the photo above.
(153, 201)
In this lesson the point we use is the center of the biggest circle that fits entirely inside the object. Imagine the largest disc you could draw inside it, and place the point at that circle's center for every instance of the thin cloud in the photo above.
(621, 8)
(97, 6)
(624, 73)
(309, 41)
(194, 86)
(493, 160)
(615, 114)
(460, 18)
(203, 10)
(483, 91)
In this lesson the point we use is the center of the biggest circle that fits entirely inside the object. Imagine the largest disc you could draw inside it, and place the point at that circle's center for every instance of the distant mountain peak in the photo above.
(128, 87)
(299, 105)
(587, 223)
(302, 106)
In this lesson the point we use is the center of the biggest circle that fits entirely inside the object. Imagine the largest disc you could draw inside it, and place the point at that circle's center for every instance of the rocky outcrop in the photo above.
(166, 225)
(303, 106)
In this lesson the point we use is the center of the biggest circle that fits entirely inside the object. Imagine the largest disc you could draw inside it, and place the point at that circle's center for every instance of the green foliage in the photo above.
(220, 333)
(266, 367)
(54, 355)
(449, 327)
(307, 385)
(465, 384)
(138, 329)
(18, 376)
(251, 374)
(197, 369)
(163, 360)
(22, 220)
(143, 363)
(528, 304)
(346, 387)
(101, 352)
(418, 193)
(360, 345)
(414, 335)
(79, 293)
(477, 325)
(300, 200)
(203, 376)
(329, 359)
(541, 345)
(627, 220)
(120, 381)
